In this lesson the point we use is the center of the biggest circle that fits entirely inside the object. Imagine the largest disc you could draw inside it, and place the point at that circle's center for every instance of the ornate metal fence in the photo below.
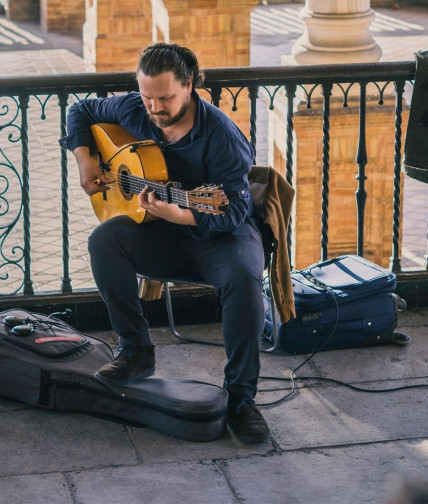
(42, 228)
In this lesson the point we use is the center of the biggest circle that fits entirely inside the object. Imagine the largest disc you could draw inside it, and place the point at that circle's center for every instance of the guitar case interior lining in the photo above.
(52, 366)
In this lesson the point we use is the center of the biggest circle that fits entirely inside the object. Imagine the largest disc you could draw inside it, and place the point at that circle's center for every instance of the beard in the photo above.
(164, 119)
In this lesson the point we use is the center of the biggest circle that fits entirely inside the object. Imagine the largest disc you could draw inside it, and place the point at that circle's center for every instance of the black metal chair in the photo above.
(167, 281)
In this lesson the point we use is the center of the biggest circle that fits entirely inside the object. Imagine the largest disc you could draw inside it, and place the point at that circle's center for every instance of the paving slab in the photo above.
(178, 482)
(35, 489)
(158, 448)
(335, 416)
(367, 364)
(39, 441)
(351, 475)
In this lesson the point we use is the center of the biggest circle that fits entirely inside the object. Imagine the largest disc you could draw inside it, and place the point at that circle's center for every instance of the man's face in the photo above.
(165, 98)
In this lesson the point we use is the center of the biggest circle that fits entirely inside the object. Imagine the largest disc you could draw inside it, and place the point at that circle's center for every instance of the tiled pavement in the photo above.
(329, 444)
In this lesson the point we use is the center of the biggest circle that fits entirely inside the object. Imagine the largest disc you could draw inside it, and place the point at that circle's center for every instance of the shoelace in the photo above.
(122, 349)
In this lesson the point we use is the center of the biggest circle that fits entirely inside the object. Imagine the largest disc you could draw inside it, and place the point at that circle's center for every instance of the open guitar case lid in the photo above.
(52, 366)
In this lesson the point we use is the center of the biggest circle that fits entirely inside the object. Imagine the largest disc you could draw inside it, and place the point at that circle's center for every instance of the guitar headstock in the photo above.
(208, 198)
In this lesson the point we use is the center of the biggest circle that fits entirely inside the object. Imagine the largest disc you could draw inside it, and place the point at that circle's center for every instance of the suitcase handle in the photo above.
(315, 281)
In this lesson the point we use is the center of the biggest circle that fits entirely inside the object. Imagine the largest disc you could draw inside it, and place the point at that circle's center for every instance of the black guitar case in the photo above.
(45, 362)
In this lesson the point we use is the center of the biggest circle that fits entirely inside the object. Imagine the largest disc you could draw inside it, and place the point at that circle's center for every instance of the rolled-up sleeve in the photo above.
(229, 161)
(83, 114)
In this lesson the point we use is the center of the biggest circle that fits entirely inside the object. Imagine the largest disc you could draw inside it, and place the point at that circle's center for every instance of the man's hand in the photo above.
(168, 211)
(92, 180)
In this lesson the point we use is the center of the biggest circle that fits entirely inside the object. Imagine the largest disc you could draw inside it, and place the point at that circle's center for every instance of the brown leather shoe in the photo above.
(130, 363)
(248, 424)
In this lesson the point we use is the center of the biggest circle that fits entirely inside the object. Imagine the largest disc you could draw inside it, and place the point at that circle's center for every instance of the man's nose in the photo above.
(156, 106)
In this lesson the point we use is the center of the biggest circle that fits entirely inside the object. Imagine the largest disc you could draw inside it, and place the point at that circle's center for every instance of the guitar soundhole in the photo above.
(125, 181)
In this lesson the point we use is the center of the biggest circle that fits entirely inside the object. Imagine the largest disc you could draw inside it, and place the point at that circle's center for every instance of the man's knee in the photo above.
(97, 240)
(104, 237)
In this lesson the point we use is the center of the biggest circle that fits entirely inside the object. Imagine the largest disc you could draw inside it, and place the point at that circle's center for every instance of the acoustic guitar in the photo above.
(133, 165)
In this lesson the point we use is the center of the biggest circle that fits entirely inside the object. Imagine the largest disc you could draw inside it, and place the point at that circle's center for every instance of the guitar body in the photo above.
(114, 144)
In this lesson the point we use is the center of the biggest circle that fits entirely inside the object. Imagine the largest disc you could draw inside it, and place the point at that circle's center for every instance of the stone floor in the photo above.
(329, 444)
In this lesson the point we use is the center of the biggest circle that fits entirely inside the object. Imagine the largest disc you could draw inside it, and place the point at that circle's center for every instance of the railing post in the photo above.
(216, 95)
(361, 160)
(253, 95)
(325, 168)
(395, 259)
(290, 93)
(23, 105)
(66, 281)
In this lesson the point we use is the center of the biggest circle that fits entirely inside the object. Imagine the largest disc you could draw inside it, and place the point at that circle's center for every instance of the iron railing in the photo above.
(31, 121)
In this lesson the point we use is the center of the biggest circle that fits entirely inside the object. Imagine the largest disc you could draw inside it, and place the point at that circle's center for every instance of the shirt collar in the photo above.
(200, 123)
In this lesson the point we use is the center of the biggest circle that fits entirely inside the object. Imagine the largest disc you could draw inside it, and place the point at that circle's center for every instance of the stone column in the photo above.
(218, 31)
(114, 33)
(337, 32)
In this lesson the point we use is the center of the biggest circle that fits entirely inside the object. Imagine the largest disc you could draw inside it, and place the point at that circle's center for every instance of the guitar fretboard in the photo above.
(165, 192)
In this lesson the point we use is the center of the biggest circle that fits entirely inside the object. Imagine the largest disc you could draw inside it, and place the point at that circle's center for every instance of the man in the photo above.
(200, 145)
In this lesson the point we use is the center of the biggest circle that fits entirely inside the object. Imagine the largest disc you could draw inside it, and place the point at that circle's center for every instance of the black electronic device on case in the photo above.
(50, 364)
(415, 159)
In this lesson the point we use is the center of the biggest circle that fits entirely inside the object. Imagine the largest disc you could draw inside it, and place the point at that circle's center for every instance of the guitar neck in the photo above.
(164, 191)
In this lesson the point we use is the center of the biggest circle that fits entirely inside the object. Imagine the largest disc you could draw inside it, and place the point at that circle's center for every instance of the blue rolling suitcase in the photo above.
(343, 302)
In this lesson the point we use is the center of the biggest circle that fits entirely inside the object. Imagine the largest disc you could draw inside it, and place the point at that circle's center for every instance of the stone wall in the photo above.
(114, 32)
(218, 30)
(62, 16)
(22, 10)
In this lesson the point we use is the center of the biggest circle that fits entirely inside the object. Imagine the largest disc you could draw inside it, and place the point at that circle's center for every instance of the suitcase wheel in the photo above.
(400, 338)
(400, 303)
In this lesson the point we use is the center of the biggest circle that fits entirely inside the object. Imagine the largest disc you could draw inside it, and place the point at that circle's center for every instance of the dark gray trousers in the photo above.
(232, 263)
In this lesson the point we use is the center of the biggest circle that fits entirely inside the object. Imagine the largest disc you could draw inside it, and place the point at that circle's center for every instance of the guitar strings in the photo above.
(137, 184)
(179, 200)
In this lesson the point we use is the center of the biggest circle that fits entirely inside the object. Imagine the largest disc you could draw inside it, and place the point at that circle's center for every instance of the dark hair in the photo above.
(162, 57)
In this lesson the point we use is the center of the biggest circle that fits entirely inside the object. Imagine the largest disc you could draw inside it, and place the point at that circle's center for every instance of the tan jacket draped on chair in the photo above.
(273, 197)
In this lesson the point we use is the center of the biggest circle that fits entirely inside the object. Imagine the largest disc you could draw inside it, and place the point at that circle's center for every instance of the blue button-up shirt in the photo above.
(213, 151)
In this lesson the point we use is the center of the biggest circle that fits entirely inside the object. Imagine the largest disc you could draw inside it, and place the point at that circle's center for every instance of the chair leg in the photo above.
(273, 312)
(174, 331)
(172, 323)
(170, 313)
(140, 286)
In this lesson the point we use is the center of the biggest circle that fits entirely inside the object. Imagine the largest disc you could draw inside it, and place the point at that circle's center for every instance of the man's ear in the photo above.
(190, 85)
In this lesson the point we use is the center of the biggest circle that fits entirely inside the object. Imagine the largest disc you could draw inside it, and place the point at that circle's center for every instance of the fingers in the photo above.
(93, 182)
(146, 197)
(95, 187)
(104, 179)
